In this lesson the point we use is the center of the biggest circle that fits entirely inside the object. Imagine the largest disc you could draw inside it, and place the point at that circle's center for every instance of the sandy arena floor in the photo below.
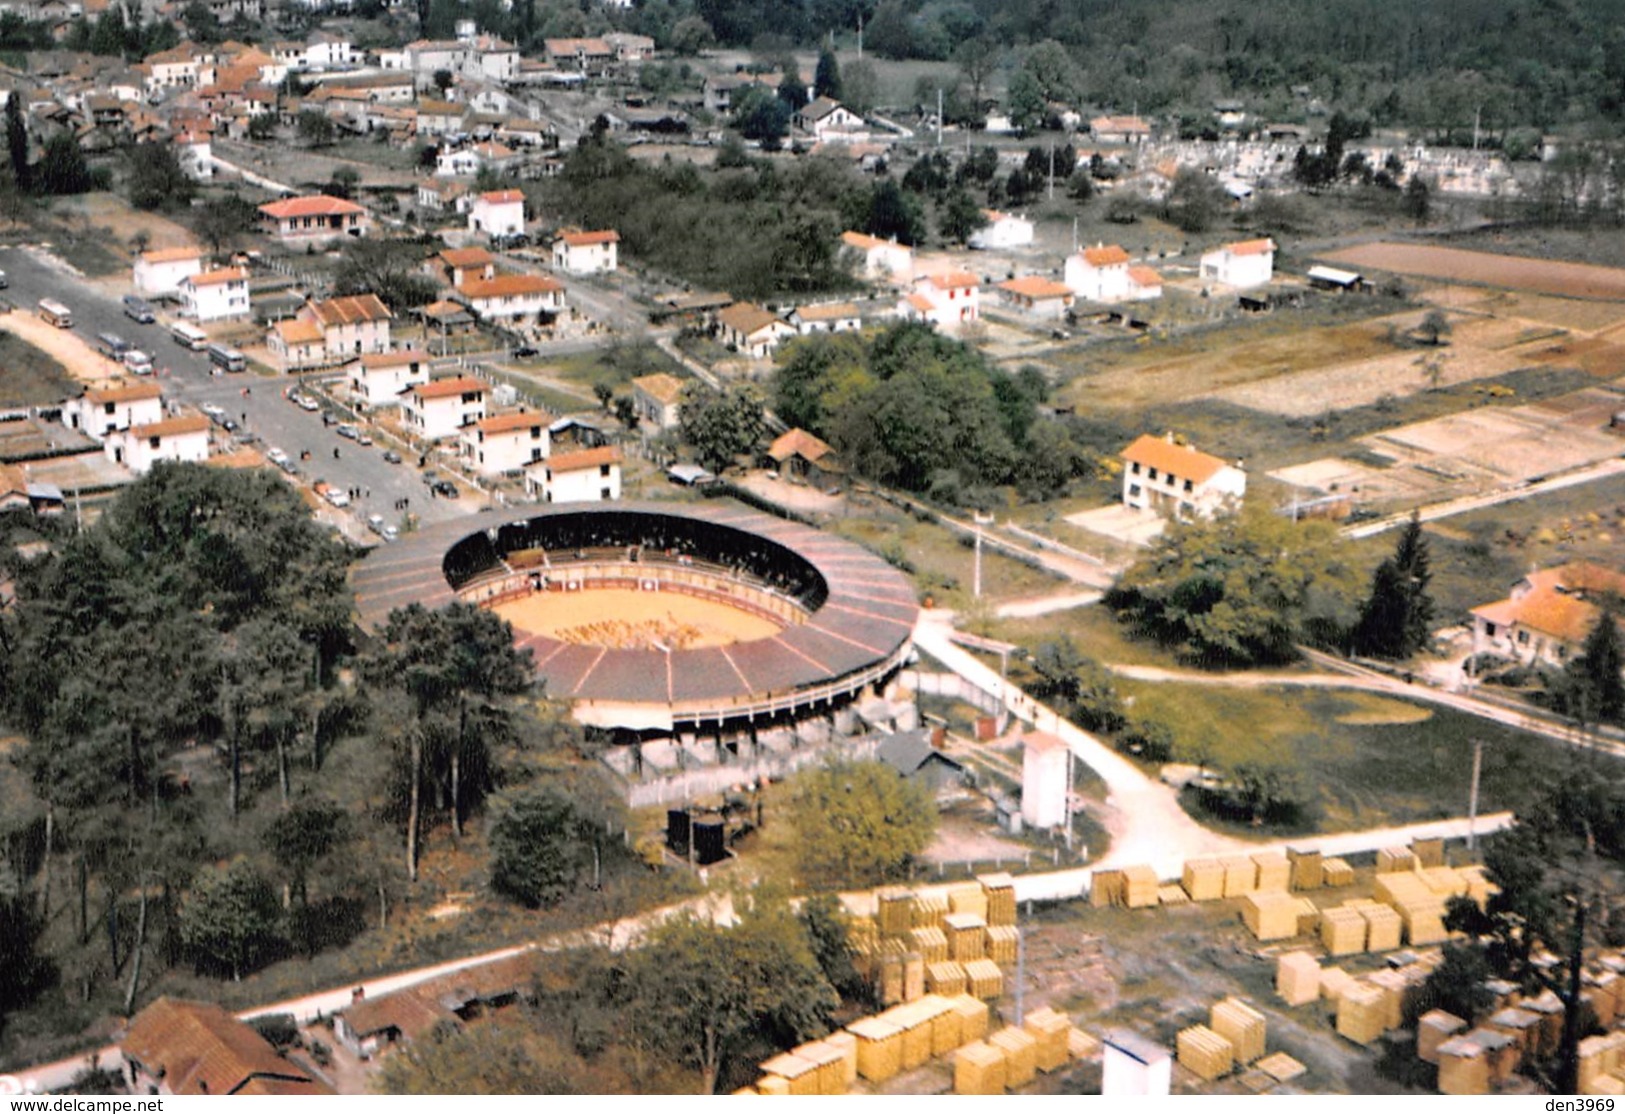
(625, 618)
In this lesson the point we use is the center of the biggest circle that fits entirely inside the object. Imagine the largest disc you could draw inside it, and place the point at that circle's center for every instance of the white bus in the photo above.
(227, 358)
(189, 336)
(56, 313)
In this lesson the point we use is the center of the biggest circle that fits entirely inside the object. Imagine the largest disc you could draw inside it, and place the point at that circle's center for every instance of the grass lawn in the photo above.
(32, 377)
(1363, 760)
(615, 364)
(1091, 628)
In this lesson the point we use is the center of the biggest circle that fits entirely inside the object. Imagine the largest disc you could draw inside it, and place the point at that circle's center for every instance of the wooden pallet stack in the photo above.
(1274, 871)
(928, 910)
(931, 943)
(1336, 872)
(1307, 870)
(1204, 1053)
(1394, 860)
(945, 978)
(1002, 942)
(973, 1016)
(1391, 985)
(1428, 852)
(1139, 887)
(894, 911)
(1001, 898)
(1550, 1008)
(1172, 895)
(1050, 1031)
(1360, 1013)
(914, 1048)
(979, 1069)
(1270, 914)
(1106, 889)
(913, 977)
(1419, 907)
(1342, 930)
(1020, 1055)
(947, 1028)
(1333, 981)
(880, 1048)
(1241, 1025)
(847, 1045)
(831, 1063)
(801, 1075)
(1433, 1029)
(1383, 927)
(1599, 1055)
(1602, 991)
(1308, 917)
(1203, 879)
(770, 1085)
(1464, 1067)
(1297, 978)
(968, 897)
(967, 936)
(1519, 1024)
(1240, 875)
(985, 979)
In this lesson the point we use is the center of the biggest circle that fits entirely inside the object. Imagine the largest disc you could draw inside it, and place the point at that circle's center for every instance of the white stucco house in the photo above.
(313, 220)
(1002, 231)
(1099, 274)
(513, 298)
(107, 410)
(380, 378)
(657, 400)
(580, 476)
(215, 295)
(443, 407)
(497, 213)
(826, 317)
(1037, 296)
(139, 447)
(587, 253)
(1242, 265)
(945, 300)
(1548, 615)
(752, 330)
(351, 326)
(1178, 481)
(161, 270)
(504, 443)
(880, 260)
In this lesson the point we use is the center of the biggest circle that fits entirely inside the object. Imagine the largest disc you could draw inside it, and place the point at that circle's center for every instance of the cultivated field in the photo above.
(1541, 276)
(625, 618)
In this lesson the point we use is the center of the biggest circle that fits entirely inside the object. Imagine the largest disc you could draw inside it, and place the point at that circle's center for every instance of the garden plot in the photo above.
(1307, 394)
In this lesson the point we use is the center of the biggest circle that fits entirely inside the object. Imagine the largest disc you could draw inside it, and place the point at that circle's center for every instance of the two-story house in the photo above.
(946, 300)
(106, 410)
(880, 260)
(1178, 481)
(442, 407)
(462, 264)
(752, 330)
(1548, 615)
(313, 220)
(1002, 232)
(580, 476)
(379, 379)
(586, 253)
(497, 213)
(351, 326)
(505, 443)
(1242, 265)
(514, 299)
(139, 447)
(161, 270)
(215, 295)
(1099, 274)
(298, 344)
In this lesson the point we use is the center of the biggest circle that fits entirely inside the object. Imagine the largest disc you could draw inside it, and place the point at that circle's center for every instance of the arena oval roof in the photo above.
(864, 627)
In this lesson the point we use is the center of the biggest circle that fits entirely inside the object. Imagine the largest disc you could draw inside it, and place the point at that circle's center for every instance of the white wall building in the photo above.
(1099, 274)
(497, 213)
(513, 298)
(441, 408)
(381, 378)
(140, 447)
(581, 476)
(1178, 481)
(1242, 265)
(1044, 761)
(505, 443)
(351, 326)
(215, 295)
(1002, 231)
(587, 253)
(827, 317)
(161, 270)
(880, 260)
(946, 300)
(98, 413)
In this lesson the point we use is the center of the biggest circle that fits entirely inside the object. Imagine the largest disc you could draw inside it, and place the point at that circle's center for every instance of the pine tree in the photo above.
(1595, 682)
(17, 141)
(827, 78)
(1397, 617)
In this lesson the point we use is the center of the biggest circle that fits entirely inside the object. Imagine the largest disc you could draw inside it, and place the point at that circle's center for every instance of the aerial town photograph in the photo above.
(812, 547)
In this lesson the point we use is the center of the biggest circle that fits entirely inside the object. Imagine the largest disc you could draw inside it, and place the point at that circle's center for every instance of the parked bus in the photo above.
(227, 358)
(56, 313)
(112, 345)
(189, 336)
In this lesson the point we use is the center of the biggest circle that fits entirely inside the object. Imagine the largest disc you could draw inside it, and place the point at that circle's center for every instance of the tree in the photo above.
(1595, 687)
(495, 1057)
(827, 77)
(860, 82)
(62, 169)
(387, 268)
(343, 182)
(761, 115)
(1194, 201)
(894, 214)
(262, 127)
(721, 425)
(314, 128)
(17, 144)
(201, 24)
(1082, 686)
(961, 217)
(26, 971)
(888, 32)
(859, 823)
(221, 222)
(1434, 328)
(230, 921)
(691, 35)
(536, 851)
(156, 179)
(977, 59)
(1028, 108)
(716, 999)
(1418, 198)
(1397, 618)
(443, 81)
(829, 932)
(1243, 587)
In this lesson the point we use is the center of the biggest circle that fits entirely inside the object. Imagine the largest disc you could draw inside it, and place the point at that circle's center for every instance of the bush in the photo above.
(280, 1030)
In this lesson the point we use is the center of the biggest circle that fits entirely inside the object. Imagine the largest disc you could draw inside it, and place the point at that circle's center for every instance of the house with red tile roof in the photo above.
(751, 330)
(442, 407)
(1178, 481)
(945, 300)
(879, 260)
(1548, 614)
(161, 270)
(514, 299)
(315, 219)
(1099, 274)
(581, 476)
(1037, 296)
(104, 410)
(505, 443)
(1002, 231)
(215, 295)
(381, 378)
(803, 458)
(497, 213)
(176, 1047)
(139, 447)
(351, 326)
(1242, 265)
(297, 344)
(586, 253)
(657, 400)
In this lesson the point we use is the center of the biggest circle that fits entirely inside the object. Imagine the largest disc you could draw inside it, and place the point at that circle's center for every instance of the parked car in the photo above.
(337, 496)
(347, 431)
(138, 310)
(445, 489)
(391, 456)
(431, 477)
(524, 351)
(276, 456)
(4, 281)
(309, 404)
(362, 437)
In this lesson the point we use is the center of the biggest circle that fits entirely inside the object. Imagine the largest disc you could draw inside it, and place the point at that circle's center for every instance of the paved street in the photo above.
(186, 376)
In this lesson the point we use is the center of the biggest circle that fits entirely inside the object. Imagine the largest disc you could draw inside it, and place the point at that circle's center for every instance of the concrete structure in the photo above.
(351, 326)
(1002, 232)
(1099, 274)
(215, 295)
(513, 298)
(380, 378)
(752, 330)
(1037, 296)
(99, 412)
(657, 400)
(504, 443)
(1134, 1066)
(1242, 265)
(497, 213)
(161, 270)
(1548, 614)
(139, 447)
(443, 407)
(1044, 779)
(313, 220)
(880, 260)
(297, 344)
(582, 476)
(587, 253)
(1177, 481)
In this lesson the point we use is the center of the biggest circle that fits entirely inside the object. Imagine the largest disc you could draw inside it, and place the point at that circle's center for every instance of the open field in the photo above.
(1543, 276)
(625, 618)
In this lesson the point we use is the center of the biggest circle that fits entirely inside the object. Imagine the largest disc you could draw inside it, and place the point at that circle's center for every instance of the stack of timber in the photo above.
(1342, 931)
(931, 943)
(947, 1028)
(985, 979)
(1106, 888)
(913, 977)
(1360, 1013)
(945, 978)
(880, 1048)
(1519, 1024)
(1433, 1029)
(895, 913)
(1020, 1055)
(1274, 871)
(1419, 907)
(1001, 898)
(968, 897)
(979, 1069)
(1391, 984)
(1297, 978)
(928, 910)
(1203, 879)
(1242, 1026)
(1139, 887)
(1307, 871)
(967, 936)
(1333, 981)
(1204, 1053)
(802, 1075)
(1464, 1067)
(1308, 917)
(914, 1047)
(1172, 895)
(1002, 941)
(1270, 914)
(1240, 875)
(1050, 1031)
(973, 1015)
(1336, 872)
(1391, 860)
(847, 1045)
(831, 1062)
(772, 1085)
(1428, 852)
(1383, 927)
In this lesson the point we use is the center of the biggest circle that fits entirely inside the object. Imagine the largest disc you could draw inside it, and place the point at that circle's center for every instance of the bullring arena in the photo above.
(665, 619)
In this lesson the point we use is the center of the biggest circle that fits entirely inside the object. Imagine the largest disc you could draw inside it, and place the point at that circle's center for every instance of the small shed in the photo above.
(799, 455)
(911, 754)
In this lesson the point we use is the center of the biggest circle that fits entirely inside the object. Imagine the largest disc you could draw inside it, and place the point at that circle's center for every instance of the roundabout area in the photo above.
(660, 618)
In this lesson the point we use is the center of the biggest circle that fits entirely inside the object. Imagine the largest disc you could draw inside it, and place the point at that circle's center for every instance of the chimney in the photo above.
(1169, 437)
(358, 994)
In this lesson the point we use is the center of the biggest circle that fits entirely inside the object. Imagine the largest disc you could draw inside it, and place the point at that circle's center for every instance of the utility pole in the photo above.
(1052, 172)
(976, 577)
(939, 117)
(1472, 794)
(860, 36)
